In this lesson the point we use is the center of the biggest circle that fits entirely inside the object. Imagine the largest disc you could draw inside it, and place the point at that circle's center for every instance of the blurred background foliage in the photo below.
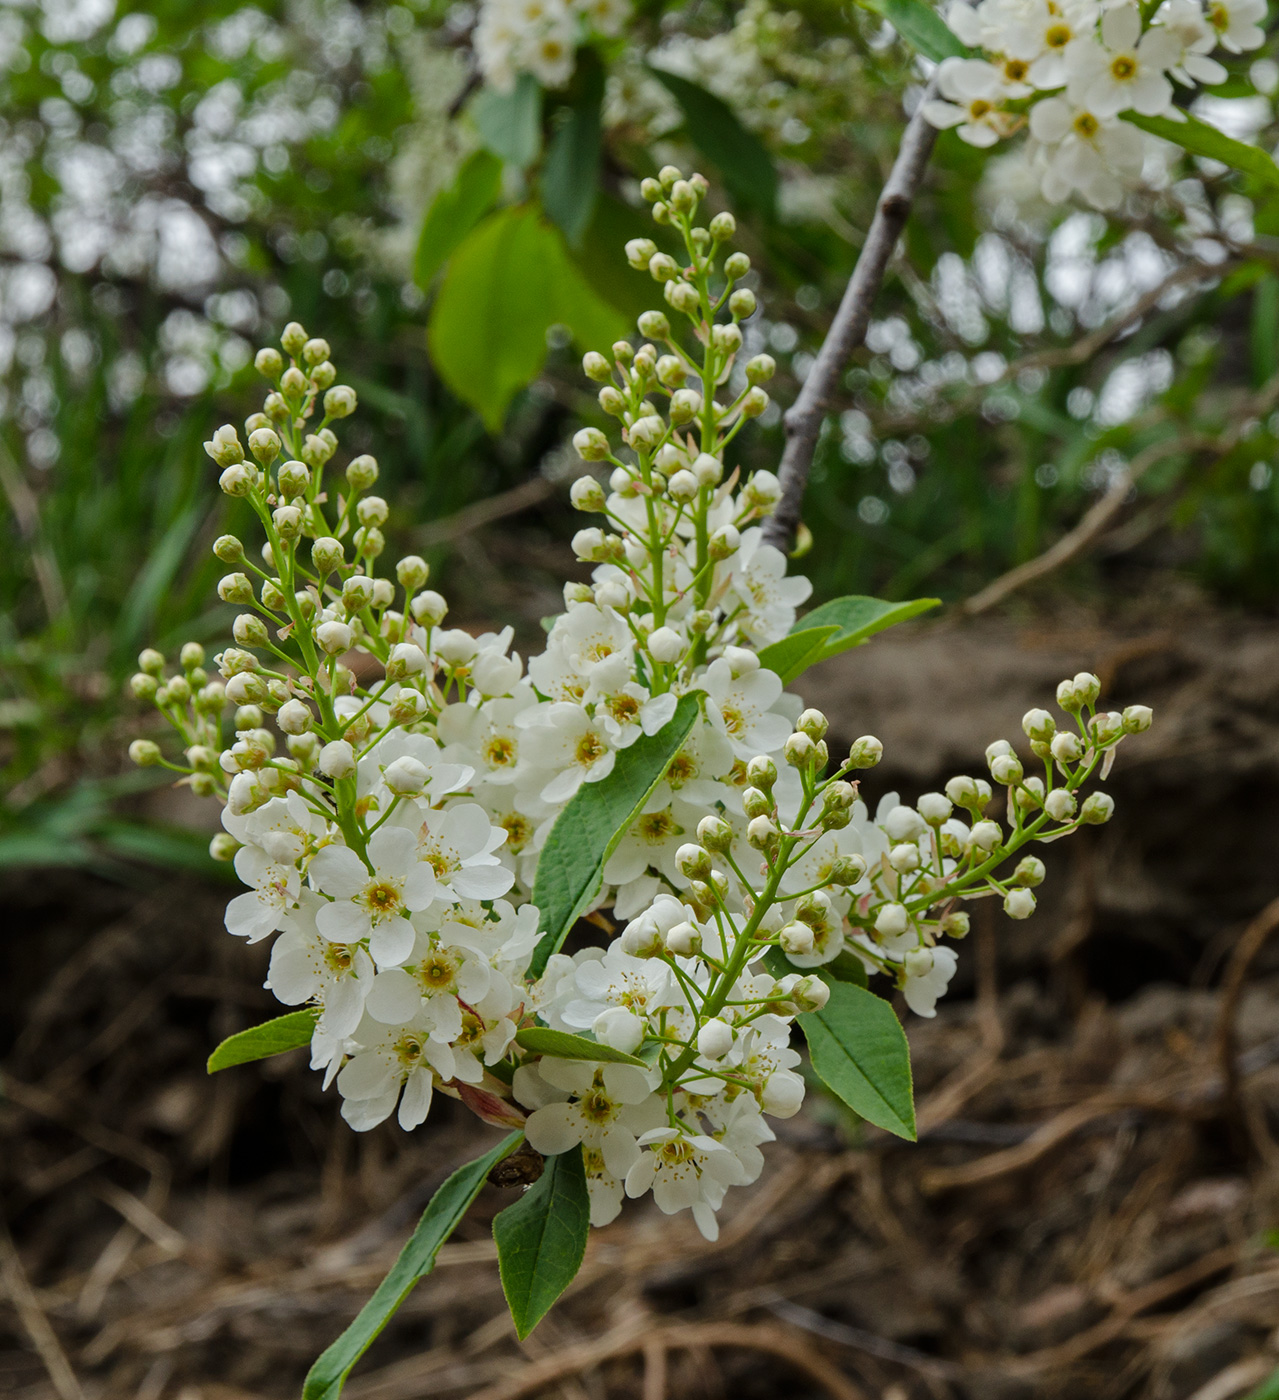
(179, 179)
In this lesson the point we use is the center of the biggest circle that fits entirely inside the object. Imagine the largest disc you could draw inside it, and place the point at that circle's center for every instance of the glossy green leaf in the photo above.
(270, 1038)
(542, 1040)
(507, 283)
(1200, 139)
(712, 126)
(570, 869)
(857, 620)
(454, 212)
(921, 27)
(441, 1217)
(797, 652)
(570, 173)
(1265, 329)
(541, 1239)
(859, 1051)
(510, 123)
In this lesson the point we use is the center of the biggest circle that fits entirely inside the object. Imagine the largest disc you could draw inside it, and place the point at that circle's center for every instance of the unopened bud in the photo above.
(334, 637)
(682, 486)
(756, 803)
(736, 265)
(145, 753)
(362, 472)
(294, 717)
(654, 325)
(340, 401)
(761, 833)
(891, 920)
(337, 759)
(1098, 808)
(406, 777)
(813, 723)
(1019, 903)
(235, 588)
(724, 543)
(429, 608)
(264, 443)
(796, 938)
(1067, 747)
(715, 834)
(1006, 769)
(249, 630)
(596, 367)
(591, 445)
(846, 870)
(327, 554)
(715, 1039)
(742, 303)
(228, 549)
(686, 404)
(865, 752)
(666, 645)
(372, 510)
(1039, 724)
(238, 480)
(693, 861)
(935, 808)
(760, 369)
(1137, 719)
(799, 750)
(1060, 805)
(269, 363)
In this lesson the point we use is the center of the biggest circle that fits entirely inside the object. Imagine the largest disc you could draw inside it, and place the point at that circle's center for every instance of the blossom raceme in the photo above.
(391, 823)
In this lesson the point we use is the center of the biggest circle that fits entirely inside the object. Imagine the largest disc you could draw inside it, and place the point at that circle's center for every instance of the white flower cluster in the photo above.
(1078, 66)
(541, 37)
(391, 848)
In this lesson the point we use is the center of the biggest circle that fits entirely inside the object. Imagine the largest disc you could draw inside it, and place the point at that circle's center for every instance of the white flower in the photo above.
(640, 985)
(374, 904)
(1185, 21)
(430, 989)
(569, 741)
(760, 580)
(686, 1171)
(608, 1107)
(488, 735)
(928, 974)
(276, 884)
(651, 841)
(306, 966)
(626, 707)
(458, 845)
(741, 707)
(1043, 33)
(1084, 153)
(390, 1059)
(974, 90)
(1236, 23)
(1129, 73)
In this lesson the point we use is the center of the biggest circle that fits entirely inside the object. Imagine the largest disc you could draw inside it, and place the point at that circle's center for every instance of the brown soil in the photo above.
(1090, 1212)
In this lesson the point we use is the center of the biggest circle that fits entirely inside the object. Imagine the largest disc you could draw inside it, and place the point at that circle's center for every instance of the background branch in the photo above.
(803, 420)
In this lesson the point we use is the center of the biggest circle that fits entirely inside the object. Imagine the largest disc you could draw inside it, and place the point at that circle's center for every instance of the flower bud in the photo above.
(763, 490)
(693, 862)
(340, 401)
(315, 350)
(891, 920)
(408, 706)
(406, 659)
(1030, 794)
(846, 870)
(742, 303)
(935, 808)
(144, 687)
(1030, 871)
(760, 369)
(250, 631)
(661, 268)
(799, 750)
(238, 480)
(724, 543)
(191, 655)
(904, 858)
(723, 227)
(956, 925)
(228, 549)
(715, 1039)
(666, 645)
(727, 339)
(685, 939)
(591, 445)
(619, 1029)
(1006, 769)
(294, 717)
(1067, 747)
(796, 938)
(650, 189)
(323, 374)
(327, 554)
(269, 363)
(334, 637)
(362, 472)
(985, 836)
(736, 265)
(967, 793)
(337, 759)
(293, 382)
(429, 608)
(406, 777)
(1019, 903)
(1060, 805)
(756, 803)
(1098, 808)
(613, 593)
(372, 510)
(654, 325)
(686, 404)
(223, 846)
(682, 486)
(145, 753)
(865, 752)
(235, 588)
(715, 834)
(612, 401)
(1137, 719)
(264, 443)
(639, 252)
(761, 833)
(761, 772)
(646, 433)
(288, 522)
(596, 367)
(671, 371)
(814, 724)
(1039, 724)
(682, 296)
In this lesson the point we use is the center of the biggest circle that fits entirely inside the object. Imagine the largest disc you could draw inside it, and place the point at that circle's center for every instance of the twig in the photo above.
(1094, 521)
(45, 1340)
(776, 1341)
(803, 420)
(1241, 959)
(860, 1340)
(26, 511)
(474, 517)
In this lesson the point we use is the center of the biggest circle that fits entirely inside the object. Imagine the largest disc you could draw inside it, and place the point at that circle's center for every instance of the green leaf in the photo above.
(1267, 1390)
(859, 619)
(858, 1050)
(570, 174)
(510, 123)
(270, 1038)
(570, 869)
(454, 212)
(1265, 329)
(508, 282)
(542, 1040)
(921, 27)
(441, 1217)
(541, 1239)
(714, 129)
(1200, 139)
(796, 652)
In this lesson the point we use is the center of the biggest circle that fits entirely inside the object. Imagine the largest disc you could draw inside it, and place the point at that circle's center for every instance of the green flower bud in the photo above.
(847, 870)
(315, 350)
(682, 296)
(723, 227)
(726, 338)
(1030, 871)
(143, 686)
(145, 753)
(264, 443)
(683, 197)
(760, 369)
(591, 445)
(340, 401)
(612, 401)
(361, 472)
(327, 554)
(238, 480)
(293, 338)
(1098, 808)
(866, 752)
(587, 494)
(814, 724)
(235, 588)
(662, 268)
(249, 630)
(646, 433)
(668, 174)
(756, 803)
(1137, 719)
(292, 479)
(372, 510)
(736, 265)
(369, 541)
(224, 447)
(799, 750)
(288, 522)
(639, 252)
(701, 185)
(293, 382)
(269, 363)
(357, 593)
(596, 367)
(654, 325)
(191, 655)
(761, 771)
(693, 862)
(151, 661)
(686, 404)
(742, 303)
(715, 834)
(323, 375)
(754, 403)
(228, 549)
(412, 572)
(650, 189)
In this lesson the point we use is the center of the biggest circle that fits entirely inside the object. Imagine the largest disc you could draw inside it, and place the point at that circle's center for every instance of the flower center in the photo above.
(1086, 125)
(589, 749)
(408, 1050)
(676, 1154)
(382, 897)
(436, 972)
(339, 957)
(681, 770)
(734, 721)
(658, 826)
(518, 830)
(1015, 70)
(623, 707)
(499, 751)
(1123, 68)
(1058, 36)
(1219, 16)
(978, 108)
(597, 1106)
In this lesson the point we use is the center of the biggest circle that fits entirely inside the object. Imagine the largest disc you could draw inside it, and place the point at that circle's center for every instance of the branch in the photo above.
(803, 420)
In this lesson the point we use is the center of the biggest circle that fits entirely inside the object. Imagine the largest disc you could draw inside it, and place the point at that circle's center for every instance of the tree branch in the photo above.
(803, 420)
